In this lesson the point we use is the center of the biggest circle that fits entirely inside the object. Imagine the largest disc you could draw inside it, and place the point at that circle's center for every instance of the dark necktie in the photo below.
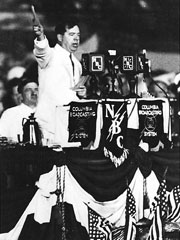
(72, 62)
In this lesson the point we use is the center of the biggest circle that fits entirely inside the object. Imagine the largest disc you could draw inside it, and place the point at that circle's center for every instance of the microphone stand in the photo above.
(114, 94)
(132, 80)
(93, 88)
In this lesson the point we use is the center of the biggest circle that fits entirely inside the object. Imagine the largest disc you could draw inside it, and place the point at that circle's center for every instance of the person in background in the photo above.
(13, 96)
(59, 72)
(11, 120)
(2, 96)
(160, 89)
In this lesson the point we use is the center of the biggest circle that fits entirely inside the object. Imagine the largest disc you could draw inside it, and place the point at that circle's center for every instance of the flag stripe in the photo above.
(174, 200)
(175, 215)
(130, 216)
(156, 228)
(160, 211)
(101, 229)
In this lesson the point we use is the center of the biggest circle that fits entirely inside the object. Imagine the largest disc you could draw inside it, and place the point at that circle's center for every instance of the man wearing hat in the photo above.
(11, 120)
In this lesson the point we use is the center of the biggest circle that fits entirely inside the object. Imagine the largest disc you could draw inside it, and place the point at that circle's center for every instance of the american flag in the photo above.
(161, 199)
(101, 229)
(118, 233)
(160, 212)
(130, 216)
(156, 229)
(174, 199)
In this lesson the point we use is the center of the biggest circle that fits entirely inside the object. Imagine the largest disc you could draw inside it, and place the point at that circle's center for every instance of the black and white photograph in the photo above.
(89, 120)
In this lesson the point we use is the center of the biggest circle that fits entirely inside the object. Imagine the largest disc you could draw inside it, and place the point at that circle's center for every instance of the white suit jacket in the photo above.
(55, 81)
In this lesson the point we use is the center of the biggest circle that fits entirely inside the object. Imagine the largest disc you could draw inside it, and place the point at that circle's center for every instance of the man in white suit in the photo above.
(59, 72)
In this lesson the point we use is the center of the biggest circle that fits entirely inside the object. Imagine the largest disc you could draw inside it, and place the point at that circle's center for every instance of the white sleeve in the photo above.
(42, 52)
(5, 124)
(41, 44)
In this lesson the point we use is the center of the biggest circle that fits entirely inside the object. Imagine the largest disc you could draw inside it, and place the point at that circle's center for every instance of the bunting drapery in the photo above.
(90, 170)
(41, 206)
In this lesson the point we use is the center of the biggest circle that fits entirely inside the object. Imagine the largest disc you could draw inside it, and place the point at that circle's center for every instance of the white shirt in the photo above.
(55, 81)
(11, 121)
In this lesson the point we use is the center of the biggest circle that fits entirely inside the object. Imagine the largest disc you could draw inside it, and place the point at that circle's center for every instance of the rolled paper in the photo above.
(81, 83)
(35, 17)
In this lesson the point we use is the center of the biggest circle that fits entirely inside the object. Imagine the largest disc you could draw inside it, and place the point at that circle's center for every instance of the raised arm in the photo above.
(39, 32)
(42, 50)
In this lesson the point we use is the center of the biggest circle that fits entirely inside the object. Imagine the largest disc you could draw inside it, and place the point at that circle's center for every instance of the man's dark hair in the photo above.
(65, 24)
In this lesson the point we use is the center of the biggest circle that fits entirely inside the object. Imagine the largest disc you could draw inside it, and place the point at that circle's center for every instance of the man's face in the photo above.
(30, 94)
(71, 39)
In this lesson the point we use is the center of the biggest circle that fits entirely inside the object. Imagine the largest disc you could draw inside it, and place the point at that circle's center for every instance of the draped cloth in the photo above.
(42, 204)
(93, 179)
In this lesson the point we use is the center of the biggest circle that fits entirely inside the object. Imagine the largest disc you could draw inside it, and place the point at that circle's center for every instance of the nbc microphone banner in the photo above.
(114, 130)
(150, 121)
(82, 122)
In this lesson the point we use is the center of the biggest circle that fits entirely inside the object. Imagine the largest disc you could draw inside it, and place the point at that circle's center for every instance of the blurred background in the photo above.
(126, 25)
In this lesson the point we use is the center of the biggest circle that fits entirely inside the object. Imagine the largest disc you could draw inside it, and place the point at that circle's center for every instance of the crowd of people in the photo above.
(55, 78)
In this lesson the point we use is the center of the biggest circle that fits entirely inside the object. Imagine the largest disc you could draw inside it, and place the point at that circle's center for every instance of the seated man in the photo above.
(11, 120)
